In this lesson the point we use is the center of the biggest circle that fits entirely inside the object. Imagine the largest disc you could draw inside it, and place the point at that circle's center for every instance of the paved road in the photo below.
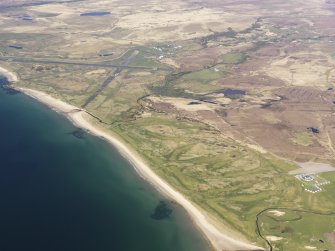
(110, 78)
(104, 65)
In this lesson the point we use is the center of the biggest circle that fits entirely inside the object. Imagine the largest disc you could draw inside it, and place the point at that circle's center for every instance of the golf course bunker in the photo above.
(277, 213)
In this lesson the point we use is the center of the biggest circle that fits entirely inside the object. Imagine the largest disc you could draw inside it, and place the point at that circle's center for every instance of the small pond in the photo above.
(94, 14)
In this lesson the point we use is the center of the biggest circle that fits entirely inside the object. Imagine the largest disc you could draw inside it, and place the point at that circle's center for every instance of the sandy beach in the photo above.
(220, 240)
(11, 77)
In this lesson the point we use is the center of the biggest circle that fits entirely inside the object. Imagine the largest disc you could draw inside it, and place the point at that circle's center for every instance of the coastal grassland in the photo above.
(228, 180)
(119, 101)
(190, 84)
(200, 81)
(298, 227)
(70, 83)
(307, 229)
(75, 84)
(328, 194)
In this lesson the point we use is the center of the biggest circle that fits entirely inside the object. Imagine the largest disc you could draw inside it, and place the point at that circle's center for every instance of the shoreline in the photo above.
(217, 239)
(11, 77)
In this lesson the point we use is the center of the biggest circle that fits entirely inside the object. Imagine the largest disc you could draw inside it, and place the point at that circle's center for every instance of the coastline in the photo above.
(218, 240)
(11, 77)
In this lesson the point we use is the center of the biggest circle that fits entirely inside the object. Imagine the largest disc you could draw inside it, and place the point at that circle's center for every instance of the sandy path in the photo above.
(218, 239)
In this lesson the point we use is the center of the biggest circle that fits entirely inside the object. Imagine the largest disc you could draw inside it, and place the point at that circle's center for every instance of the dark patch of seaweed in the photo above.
(78, 133)
(161, 211)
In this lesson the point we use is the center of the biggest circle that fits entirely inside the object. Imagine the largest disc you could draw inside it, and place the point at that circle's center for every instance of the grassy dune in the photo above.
(229, 180)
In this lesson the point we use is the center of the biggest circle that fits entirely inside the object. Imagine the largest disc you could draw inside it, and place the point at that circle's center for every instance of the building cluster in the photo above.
(312, 182)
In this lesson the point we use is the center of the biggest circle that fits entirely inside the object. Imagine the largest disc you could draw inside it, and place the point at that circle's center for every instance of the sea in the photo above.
(63, 189)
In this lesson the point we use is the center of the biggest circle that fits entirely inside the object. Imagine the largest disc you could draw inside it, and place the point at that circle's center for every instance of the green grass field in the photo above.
(297, 230)
(205, 75)
(233, 58)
